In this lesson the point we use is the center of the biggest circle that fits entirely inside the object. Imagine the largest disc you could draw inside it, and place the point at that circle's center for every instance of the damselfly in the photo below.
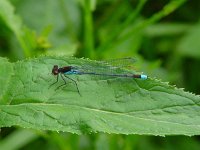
(103, 68)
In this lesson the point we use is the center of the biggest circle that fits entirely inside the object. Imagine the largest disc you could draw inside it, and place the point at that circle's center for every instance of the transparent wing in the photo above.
(115, 66)
(120, 62)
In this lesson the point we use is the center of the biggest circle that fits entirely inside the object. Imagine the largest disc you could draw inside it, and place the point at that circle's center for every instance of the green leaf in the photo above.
(166, 29)
(14, 23)
(111, 105)
(8, 16)
(12, 141)
(5, 74)
(62, 16)
(189, 44)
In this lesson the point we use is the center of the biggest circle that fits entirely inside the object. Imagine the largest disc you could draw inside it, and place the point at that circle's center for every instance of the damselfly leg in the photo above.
(74, 83)
(63, 78)
(56, 80)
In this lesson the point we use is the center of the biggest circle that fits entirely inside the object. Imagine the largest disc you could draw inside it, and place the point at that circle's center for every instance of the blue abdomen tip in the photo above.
(144, 77)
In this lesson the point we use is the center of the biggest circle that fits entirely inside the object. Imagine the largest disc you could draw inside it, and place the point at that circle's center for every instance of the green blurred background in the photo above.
(163, 35)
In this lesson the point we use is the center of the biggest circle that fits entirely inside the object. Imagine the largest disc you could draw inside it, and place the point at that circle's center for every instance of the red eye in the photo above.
(55, 70)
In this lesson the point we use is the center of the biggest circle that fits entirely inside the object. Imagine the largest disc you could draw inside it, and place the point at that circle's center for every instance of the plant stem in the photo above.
(88, 30)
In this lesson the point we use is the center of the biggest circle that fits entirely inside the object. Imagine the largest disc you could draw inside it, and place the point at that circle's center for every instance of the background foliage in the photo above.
(163, 35)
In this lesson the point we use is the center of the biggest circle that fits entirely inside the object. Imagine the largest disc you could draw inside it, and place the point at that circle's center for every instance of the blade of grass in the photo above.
(114, 34)
(169, 8)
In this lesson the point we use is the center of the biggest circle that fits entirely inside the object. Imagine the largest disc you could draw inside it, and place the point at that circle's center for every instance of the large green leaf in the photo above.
(6, 70)
(112, 105)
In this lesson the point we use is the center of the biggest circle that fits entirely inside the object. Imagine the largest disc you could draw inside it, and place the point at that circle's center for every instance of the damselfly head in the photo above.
(55, 70)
